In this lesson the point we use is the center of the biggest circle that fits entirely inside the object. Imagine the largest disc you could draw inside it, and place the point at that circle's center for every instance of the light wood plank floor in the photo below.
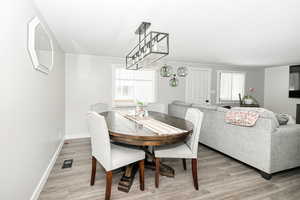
(220, 177)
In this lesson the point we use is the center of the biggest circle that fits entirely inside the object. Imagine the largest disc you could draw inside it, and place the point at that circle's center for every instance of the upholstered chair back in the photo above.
(157, 107)
(101, 148)
(195, 116)
(100, 107)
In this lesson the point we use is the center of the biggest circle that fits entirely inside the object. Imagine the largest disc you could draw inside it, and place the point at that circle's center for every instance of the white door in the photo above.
(198, 85)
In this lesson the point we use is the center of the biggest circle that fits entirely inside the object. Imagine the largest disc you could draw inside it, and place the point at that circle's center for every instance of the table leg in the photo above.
(130, 171)
(128, 177)
(165, 170)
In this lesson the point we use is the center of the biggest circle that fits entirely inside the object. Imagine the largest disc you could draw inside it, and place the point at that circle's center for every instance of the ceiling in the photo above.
(243, 33)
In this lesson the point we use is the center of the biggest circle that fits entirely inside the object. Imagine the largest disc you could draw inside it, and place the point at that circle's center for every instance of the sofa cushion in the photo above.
(222, 109)
(291, 120)
(204, 106)
(182, 103)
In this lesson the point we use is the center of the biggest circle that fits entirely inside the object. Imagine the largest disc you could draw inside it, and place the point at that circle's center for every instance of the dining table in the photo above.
(127, 129)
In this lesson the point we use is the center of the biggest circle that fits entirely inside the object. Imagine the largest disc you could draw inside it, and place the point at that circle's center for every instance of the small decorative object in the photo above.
(166, 71)
(146, 114)
(249, 100)
(182, 71)
(139, 109)
(173, 81)
(282, 118)
(40, 46)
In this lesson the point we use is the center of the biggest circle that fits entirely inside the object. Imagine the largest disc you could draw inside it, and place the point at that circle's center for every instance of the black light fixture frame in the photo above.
(153, 35)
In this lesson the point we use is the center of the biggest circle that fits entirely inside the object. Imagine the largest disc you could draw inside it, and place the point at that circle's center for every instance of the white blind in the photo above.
(231, 85)
(135, 85)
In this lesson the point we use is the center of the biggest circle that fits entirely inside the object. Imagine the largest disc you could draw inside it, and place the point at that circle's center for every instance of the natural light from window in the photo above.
(134, 85)
(231, 84)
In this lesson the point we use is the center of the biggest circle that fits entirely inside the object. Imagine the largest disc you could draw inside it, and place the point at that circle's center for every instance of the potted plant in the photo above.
(139, 109)
(248, 99)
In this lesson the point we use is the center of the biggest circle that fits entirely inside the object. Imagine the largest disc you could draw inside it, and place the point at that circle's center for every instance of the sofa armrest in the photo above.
(250, 145)
(285, 147)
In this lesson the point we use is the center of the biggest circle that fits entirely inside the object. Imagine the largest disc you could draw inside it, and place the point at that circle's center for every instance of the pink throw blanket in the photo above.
(241, 118)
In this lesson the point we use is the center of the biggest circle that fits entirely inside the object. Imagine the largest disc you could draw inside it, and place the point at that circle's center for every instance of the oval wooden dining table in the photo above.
(128, 132)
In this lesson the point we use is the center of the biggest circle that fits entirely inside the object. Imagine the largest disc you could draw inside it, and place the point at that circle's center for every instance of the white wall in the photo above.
(89, 80)
(254, 78)
(277, 91)
(32, 106)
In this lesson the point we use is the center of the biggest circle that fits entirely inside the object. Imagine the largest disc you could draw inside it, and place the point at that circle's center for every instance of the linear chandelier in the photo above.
(150, 48)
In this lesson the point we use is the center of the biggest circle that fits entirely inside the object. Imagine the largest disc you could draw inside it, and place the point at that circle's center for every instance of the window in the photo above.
(132, 85)
(230, 85)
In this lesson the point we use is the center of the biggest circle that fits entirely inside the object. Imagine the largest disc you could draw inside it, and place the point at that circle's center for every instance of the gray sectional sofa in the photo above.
(268, 147)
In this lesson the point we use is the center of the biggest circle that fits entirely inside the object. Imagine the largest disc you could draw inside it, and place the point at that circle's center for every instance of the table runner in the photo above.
(154, 125)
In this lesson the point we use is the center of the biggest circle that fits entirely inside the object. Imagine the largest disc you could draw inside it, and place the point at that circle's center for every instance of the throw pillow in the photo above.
(282, 118)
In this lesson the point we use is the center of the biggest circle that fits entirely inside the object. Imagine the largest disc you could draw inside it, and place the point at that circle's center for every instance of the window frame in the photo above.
(129, 103)
(218, 100)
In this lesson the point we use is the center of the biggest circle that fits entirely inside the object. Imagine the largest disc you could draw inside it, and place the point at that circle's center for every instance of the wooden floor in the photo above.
(220, 177)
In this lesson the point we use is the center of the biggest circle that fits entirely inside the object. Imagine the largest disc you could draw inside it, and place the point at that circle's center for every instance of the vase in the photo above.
(139, 111)
(248, 101)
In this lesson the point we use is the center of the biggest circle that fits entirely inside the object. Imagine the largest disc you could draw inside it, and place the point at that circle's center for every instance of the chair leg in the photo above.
(93, 174)
(108, 185)
(194, 171)
(157, 172)
(142, 172)
(184, 163)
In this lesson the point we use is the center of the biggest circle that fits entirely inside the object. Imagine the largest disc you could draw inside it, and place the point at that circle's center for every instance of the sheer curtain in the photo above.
(133, 85)
(231, 84)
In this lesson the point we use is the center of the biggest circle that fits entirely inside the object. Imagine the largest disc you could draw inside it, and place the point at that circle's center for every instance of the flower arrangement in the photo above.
(250, 91)
(248, 98)
(139, 103)
(139, 109)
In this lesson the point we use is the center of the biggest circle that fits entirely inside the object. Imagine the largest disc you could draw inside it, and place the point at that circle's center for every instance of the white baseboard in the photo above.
(76, 136)
(46, 174)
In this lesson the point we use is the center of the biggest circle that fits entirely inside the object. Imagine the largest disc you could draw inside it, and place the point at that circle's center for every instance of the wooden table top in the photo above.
(127, 131)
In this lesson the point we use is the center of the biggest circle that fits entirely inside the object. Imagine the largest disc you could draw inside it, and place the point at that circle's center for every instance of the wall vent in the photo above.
(67, 163)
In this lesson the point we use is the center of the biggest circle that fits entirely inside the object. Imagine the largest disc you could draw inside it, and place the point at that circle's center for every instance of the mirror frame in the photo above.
(32, 25)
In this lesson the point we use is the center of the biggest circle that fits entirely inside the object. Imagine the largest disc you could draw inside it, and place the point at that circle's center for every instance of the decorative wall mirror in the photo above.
(40, 46)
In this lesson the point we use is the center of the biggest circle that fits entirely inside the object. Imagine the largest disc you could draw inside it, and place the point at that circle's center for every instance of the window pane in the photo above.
(143, 75)
(124, 89)
(135, 85)
(225, 86)
(231, 85)
(238, 81)
(123, 74)
(144, 91)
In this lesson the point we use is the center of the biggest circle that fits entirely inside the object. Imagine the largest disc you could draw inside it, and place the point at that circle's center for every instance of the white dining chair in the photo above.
(100, 107)
(185, 150)
(109, 155)
(157, 107)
